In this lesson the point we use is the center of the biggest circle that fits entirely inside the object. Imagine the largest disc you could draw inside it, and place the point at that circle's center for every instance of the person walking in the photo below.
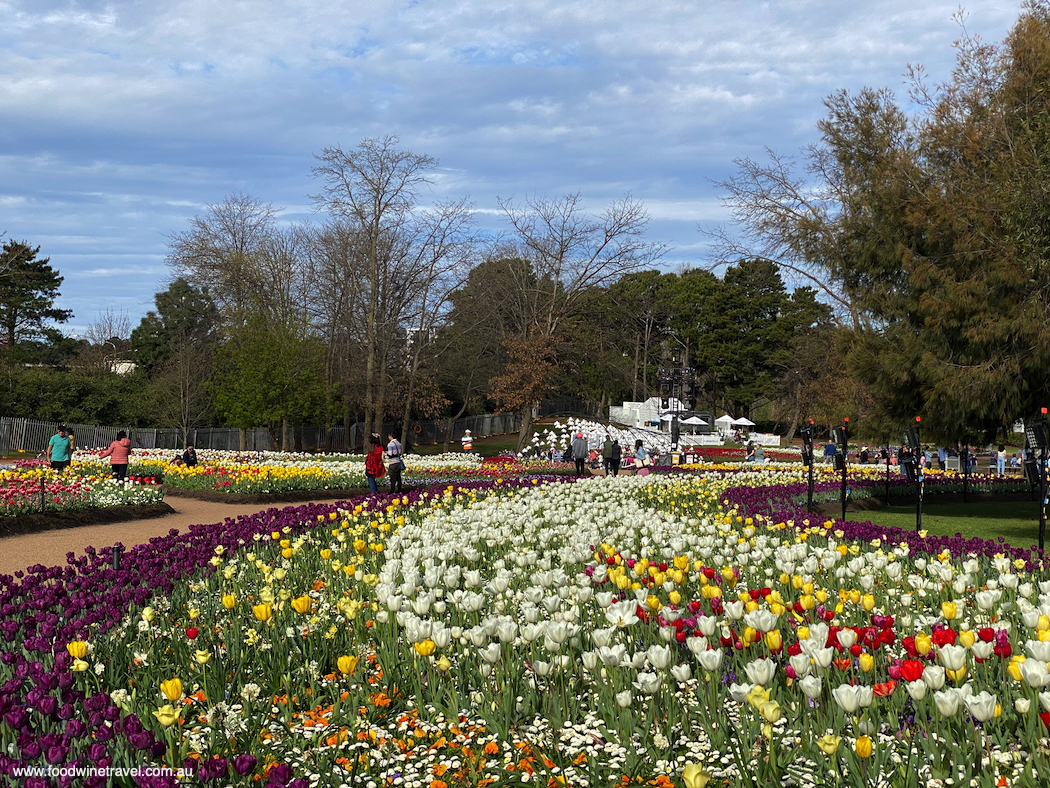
(1000, 460)
(396, 463)
(607, 454)
(60, 449)
(119, 452)
(374, 463)
(579, 453)
(616, 454)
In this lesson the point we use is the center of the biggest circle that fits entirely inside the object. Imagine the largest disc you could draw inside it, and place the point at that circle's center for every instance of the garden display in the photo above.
(20, 491)
(677, 629)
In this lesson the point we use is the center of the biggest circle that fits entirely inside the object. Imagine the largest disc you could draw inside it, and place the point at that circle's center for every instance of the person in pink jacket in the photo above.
(118, 452)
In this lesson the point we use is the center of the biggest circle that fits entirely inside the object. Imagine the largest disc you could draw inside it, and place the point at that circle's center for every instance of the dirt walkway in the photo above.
(50, 547)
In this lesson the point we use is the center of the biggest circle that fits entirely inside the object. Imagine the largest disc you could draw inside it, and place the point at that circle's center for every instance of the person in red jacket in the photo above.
(118, 452)
(374, 468)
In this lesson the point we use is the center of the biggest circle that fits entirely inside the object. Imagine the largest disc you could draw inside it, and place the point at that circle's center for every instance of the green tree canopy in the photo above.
(28, 289)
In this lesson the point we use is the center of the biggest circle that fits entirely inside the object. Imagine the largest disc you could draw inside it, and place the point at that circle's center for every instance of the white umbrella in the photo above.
(667, 417)
(743, 422)
(696, 421)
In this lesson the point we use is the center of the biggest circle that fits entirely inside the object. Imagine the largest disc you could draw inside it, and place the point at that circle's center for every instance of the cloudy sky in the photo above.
(121, 120)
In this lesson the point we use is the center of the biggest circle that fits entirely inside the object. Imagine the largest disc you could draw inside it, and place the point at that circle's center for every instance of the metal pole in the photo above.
(966, 473)
(887, 474)
(810, 503)
(918, 486)
(1043, 455)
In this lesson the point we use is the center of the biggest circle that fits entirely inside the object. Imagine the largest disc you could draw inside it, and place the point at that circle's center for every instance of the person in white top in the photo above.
(467, 441)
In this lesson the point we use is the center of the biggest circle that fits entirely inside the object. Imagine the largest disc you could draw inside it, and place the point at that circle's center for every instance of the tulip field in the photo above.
(691, 628)
(21, 493)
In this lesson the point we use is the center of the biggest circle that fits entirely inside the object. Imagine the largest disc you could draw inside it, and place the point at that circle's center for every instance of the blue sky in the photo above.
(121, 120)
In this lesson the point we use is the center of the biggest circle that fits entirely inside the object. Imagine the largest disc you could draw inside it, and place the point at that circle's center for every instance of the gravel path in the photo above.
(50, 547)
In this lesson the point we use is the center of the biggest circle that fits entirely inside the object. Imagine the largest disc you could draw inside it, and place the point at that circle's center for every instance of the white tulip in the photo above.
(952, 657)
(916, 689)
(1044, 700)
(846, 696)
(738, 692)
(711, 660)
(696, 645)
(681, 673)
(933, 676)
(982, 706)
(612, 656)
(800, 664)
(982, 650)
(707, 625)
(947, 702)
(623, 699)
(541, 668)
(822, 657)
(659, 656)
(847, 637)
(1034, 673)
(491, 654)
(760, 671)
(1038, 649)
(810, 686)
(590, 659)
(735, 609)
(1022, 705)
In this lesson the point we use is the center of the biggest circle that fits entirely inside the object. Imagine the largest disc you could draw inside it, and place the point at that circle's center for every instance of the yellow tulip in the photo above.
(966, 638)
(360, 545)
(347, 664)
(1043, 623)
(807, 602)
(821, 595)
(202, 656)
(275, 535)
(301, 604)
(956, 675)
(694, 776)
(681, 562)
(923, 643)
(287, 552)
(263, 612)
(79, 666)
(1014, 669)
(425, 648)
(757, 695)
(784, 578)
(77, 649)
(675, 598)
(166, 715)
(774, 640)
(867, 602)
(864, 747)
(326, 554)
(829, 743)
(803, 633)
(807, 588)
(854, 596)
(867, 662)
(770, 711)
(172, 689)
(443, 664)
(949, 610)
(229, 601)
(653, 603)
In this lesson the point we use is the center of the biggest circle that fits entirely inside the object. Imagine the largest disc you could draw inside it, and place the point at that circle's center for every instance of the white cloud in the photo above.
(122, 119)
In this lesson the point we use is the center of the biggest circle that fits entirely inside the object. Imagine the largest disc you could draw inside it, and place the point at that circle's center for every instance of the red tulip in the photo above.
(911, 669)
(191, 633)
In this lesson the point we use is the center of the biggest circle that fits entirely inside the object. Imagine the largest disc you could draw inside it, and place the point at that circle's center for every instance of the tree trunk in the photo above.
(634, 385)
(526, 423)
(451, 422)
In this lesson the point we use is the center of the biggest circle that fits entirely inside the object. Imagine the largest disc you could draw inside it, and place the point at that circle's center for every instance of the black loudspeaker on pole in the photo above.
(807, 460)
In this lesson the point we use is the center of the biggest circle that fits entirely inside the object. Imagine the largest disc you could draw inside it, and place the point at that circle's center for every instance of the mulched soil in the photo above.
(33, 523)
(262, 499)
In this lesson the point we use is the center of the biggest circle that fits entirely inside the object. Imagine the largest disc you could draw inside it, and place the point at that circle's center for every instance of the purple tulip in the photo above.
(244, 764)
(280, 774)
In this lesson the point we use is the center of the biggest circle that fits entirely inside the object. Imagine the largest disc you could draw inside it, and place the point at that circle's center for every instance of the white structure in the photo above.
(724, 425)
(642, 414)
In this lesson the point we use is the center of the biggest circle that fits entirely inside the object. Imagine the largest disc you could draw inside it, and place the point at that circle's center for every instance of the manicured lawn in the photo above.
(491, 446)
(1016, 521)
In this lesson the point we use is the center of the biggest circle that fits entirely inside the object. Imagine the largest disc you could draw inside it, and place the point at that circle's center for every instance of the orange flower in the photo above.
(491, 748)
(438, 784)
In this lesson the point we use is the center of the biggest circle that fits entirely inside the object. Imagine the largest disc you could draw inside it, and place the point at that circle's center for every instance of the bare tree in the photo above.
(569, 254)
(373, 189)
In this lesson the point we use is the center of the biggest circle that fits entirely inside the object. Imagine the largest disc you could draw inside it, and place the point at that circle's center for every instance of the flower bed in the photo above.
(20, 492)
(665, 629)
